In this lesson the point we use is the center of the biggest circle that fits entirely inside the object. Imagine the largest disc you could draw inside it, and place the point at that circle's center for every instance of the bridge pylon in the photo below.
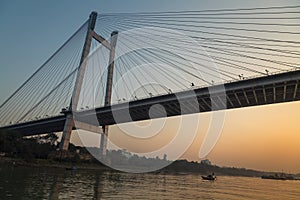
(108, 92)
(69, 123)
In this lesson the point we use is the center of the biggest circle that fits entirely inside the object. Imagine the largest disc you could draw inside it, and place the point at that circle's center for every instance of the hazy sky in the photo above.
(265, 137)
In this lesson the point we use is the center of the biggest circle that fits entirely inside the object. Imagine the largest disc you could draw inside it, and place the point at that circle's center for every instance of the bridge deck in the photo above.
(271, 89)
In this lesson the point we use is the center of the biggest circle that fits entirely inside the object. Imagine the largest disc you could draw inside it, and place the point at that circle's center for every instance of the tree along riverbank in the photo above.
(43, 151)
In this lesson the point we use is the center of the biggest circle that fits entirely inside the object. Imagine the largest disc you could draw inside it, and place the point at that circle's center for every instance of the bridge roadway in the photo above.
(270, 89)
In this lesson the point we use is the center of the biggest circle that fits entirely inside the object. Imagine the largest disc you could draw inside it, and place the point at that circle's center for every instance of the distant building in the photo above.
(125, 153)
(205, 162)
(165, 156)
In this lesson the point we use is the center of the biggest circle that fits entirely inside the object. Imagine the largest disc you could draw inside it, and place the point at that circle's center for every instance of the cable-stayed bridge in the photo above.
(118, 68)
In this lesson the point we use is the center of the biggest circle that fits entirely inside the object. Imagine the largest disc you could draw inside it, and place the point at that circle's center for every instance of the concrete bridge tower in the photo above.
(69, 123)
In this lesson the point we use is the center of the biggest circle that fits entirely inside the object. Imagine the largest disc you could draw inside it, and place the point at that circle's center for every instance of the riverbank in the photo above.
(14, 162)
(179, 167)
(176, 168)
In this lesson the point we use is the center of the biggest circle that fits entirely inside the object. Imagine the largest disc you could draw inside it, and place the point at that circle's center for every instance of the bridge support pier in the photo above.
(108, 92)
(103, 141)
(69, 124)
(65, 140)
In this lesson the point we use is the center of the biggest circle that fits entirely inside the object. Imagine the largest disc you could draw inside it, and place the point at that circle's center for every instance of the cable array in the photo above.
(50, 88)
(199, 48)
(159, 53)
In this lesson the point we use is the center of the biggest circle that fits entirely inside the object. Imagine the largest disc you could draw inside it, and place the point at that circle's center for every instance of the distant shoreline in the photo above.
(172, 169)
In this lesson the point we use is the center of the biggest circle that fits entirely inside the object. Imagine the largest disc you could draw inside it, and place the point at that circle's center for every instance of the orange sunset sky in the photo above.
(262, 137)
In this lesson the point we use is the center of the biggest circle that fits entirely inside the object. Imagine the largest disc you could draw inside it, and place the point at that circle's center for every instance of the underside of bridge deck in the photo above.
(271, 89)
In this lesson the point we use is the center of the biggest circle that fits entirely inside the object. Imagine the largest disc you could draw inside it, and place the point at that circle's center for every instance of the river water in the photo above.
(53, 183)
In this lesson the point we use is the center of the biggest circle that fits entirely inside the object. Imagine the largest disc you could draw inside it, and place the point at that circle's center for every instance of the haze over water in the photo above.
(55, 183)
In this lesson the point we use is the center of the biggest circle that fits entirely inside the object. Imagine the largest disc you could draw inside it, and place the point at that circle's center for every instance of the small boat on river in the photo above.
(210, 177)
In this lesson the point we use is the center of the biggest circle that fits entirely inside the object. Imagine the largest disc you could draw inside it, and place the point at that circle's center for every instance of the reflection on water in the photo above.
(56, 183)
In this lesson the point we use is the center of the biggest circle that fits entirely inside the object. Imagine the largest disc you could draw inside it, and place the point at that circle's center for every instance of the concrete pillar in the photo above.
(108, 92)
(103, 140)
(69, 124)
(65, 140)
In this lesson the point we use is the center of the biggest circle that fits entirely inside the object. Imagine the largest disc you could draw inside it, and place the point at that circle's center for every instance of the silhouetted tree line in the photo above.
(12, 144)
(184, 166)
(118, 158)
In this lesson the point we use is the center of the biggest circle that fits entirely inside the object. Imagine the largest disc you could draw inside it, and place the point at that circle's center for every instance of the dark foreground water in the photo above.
(47, 183)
